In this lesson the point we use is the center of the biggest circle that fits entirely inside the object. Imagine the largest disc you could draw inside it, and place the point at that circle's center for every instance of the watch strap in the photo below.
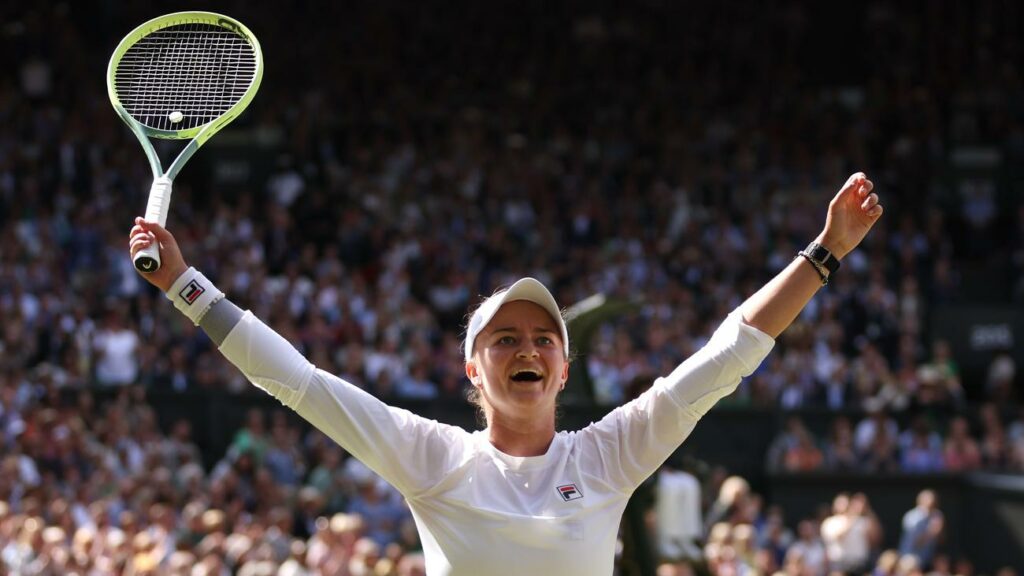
(821, 255)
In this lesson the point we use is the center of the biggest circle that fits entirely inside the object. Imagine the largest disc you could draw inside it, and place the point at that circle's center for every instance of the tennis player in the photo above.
(518, 497)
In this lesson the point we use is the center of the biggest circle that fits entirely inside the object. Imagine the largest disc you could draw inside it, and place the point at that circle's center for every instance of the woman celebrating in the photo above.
(518, 497)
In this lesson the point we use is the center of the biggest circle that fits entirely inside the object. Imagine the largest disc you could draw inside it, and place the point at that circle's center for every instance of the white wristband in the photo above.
(193, 294)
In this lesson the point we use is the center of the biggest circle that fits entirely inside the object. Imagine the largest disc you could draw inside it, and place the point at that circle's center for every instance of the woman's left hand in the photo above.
(852, 212)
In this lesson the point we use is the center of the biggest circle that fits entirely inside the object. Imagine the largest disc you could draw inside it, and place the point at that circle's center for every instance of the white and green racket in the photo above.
(180, 76)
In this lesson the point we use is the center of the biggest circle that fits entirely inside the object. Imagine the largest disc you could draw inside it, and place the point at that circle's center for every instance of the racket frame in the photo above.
(148, 260)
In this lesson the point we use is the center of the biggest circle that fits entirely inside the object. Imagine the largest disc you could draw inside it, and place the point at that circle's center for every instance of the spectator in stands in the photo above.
(850, 534)
(875, 421)
(840, 452)
(784, 441)
(773, 537)
(887, 564)
(414, 565)
(1015, 435)
(882, 455)
(942, 565)
(732, 498)
(798, 384)
(719, 553)
(252, 438)
(378, 504)
(283, 459)
(995, 453)
(830, 365)
(743, 546)
(328, 476)
(836, 393)
(1000, 385)
(678, 513)
(417, 383)
(807, 554)
(117, 347)
(176, 376)
(961, 452)
(939, 378)
(871, 375)
(297, 563)
(365, 556)
(804, 455)
(923, 528)
(906, 374)
(920, 448)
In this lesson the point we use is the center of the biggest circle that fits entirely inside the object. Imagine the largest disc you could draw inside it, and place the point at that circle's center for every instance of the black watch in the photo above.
(822, 256)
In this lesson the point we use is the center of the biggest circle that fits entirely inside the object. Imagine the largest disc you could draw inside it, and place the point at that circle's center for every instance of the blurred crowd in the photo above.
(876, 444)
(99, 490)
(674, 160)
(386, 214)
(743, 535)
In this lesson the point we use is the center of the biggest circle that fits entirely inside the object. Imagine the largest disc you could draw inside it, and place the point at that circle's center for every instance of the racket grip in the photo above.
(148, 259)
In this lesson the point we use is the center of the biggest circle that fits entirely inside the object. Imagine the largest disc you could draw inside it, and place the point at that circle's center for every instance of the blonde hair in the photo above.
(731, 489)
(476, 398)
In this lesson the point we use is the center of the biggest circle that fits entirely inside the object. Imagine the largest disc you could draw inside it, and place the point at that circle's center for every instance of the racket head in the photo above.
(184, 75)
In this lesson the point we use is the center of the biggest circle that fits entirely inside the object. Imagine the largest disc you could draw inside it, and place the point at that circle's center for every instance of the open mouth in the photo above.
(526, 376)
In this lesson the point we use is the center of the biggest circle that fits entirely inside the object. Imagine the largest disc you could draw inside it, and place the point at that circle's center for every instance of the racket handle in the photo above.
(148, 259)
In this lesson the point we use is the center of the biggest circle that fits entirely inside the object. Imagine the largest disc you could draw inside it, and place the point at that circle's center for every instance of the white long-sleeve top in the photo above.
(480, 511)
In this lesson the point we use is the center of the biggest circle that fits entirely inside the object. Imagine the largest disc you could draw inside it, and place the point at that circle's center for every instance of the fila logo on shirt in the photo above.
(191, 292)
(569, 492)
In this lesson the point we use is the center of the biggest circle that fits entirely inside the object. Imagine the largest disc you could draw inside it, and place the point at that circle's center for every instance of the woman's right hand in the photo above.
(143, 234)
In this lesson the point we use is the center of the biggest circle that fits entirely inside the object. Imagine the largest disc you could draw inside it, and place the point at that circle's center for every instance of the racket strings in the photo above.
(184, 76)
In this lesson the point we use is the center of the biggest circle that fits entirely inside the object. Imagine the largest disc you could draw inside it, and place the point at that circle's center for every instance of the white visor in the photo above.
(528, 289)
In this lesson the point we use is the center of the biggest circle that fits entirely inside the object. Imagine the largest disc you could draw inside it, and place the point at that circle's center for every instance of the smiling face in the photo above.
(518, 363)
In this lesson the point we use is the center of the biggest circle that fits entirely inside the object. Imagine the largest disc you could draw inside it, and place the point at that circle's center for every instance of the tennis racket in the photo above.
(181, 76)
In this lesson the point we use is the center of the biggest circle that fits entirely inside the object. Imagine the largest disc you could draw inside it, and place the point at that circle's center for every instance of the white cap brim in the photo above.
(529, 289)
